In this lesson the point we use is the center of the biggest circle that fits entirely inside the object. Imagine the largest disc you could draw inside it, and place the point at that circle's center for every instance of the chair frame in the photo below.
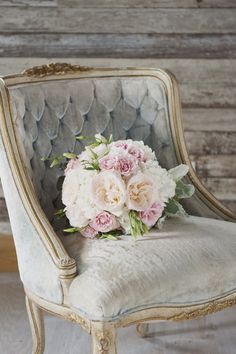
(103, 333)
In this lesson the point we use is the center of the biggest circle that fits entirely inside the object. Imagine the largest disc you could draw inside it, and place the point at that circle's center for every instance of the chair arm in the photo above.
(45, 267)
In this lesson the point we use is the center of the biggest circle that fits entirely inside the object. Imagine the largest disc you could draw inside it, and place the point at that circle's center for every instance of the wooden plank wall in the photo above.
(195, 39)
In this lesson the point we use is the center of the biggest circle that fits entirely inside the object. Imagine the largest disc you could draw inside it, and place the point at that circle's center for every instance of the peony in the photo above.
(152, 214)
(104, 222)
(108, 191)
(140, 192)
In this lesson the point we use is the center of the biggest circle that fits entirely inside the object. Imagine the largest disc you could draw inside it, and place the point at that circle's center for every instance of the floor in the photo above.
(215, 334)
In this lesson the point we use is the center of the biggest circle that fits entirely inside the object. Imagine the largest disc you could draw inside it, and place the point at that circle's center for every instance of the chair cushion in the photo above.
(192, 260)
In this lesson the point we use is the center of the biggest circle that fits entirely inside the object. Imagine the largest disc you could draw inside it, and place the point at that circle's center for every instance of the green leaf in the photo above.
(178, 172)
(60, 213)
(71, 230)
(174, 208)
(184, 190)
(70, 155)
(55, 162)
(137, 227)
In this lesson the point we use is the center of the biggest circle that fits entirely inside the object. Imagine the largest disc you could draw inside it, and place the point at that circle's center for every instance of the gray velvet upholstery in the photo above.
(189, 261)
(49, 116)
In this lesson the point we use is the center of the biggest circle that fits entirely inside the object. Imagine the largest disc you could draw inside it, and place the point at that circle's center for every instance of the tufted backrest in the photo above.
(49, 115)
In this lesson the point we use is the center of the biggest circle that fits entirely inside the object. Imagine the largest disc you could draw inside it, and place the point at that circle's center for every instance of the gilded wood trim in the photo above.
(158, 313)
(54, 69)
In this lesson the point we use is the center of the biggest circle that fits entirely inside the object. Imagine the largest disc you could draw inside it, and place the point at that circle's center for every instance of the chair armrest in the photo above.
(45, 267)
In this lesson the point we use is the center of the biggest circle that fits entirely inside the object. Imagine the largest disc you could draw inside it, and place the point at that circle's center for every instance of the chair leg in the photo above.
(142, 329)
(103, 338)
(37, 326)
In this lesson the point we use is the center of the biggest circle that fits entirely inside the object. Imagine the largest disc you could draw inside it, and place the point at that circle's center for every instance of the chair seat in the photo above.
(191, 260)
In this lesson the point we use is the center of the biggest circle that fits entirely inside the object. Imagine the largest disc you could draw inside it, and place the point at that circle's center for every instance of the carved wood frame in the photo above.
(103, 332)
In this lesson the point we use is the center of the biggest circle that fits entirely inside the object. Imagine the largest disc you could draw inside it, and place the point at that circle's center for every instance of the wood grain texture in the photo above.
(194, 46)
(210, 119)
(34, 3)
(117, 21)
(215, 165)
(211, 143)
(222, 188)
(151, 3)
(8, 261)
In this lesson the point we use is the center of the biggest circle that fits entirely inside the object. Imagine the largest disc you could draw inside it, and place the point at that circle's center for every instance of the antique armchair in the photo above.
(181, 272)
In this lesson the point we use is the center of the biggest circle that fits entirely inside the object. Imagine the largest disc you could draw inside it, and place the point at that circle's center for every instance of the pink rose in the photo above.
(108, 162)
(136, 152)
(104, 222)
(127, 165)
(123, 163)
(152, 214)
(88, 232)
(121, 144)
(72, 164)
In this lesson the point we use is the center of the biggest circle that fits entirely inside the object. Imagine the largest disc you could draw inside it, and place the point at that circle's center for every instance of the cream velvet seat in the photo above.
(190, 261)
(183, 271)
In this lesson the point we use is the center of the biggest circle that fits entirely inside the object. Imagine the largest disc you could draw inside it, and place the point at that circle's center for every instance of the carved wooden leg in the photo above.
(103, 338)
(142, 329)
(37, 326)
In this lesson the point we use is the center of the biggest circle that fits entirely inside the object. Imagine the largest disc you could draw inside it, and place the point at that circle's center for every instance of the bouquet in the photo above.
(118, 187)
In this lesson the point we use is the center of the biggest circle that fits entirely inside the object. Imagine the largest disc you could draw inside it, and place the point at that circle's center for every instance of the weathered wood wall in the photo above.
(195, 39)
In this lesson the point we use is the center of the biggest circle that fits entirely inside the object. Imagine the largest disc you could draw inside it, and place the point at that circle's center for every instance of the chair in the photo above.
(184, 271)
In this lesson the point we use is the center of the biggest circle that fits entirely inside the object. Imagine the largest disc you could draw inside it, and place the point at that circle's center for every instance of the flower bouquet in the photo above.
(115, 188)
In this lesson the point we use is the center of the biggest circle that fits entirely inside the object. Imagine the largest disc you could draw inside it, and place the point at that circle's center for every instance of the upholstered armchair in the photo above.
(183, 271)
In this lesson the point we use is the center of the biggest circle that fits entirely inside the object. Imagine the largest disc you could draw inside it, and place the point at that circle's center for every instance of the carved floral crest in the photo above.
(54, 69)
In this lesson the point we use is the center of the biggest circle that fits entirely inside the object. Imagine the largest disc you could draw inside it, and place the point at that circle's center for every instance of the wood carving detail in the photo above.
(77, 319)
(65, 262)
(54, 69)
(204, 311)
(103, 342)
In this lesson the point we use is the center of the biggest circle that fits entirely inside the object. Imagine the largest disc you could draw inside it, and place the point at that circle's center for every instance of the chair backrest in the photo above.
(49, 112)
(49, 115)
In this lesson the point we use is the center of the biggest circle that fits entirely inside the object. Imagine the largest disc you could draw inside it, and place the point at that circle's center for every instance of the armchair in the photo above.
(184, 271)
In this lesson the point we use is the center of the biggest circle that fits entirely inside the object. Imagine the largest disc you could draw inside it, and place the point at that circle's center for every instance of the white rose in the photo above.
(70, 187)
(164, 186)
(76, 216)
(108, 191)
(140, 192)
